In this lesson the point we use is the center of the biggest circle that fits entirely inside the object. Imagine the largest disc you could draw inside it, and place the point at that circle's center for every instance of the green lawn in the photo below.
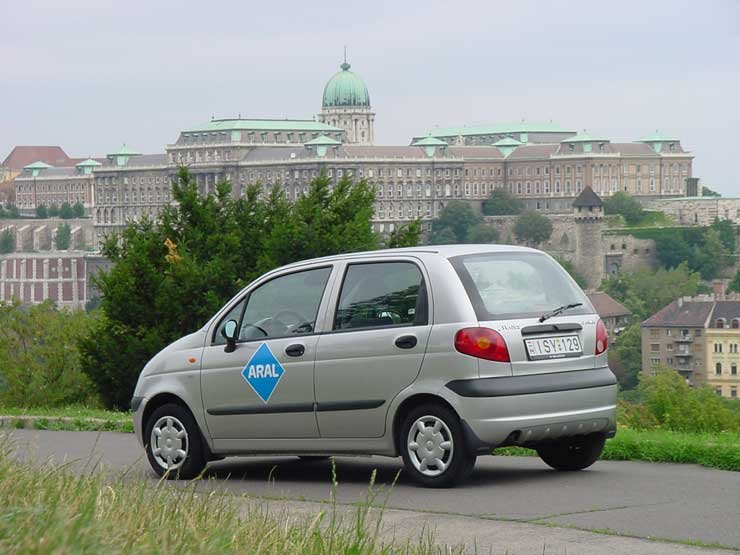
(74, 411)
(720, 450)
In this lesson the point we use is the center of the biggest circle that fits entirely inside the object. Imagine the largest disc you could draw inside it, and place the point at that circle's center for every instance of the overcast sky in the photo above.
(89, 75)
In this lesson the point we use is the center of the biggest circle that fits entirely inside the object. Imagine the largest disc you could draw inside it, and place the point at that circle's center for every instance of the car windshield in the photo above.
(517, 285)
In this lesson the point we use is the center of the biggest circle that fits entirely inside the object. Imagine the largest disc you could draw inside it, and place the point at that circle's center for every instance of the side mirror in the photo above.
(229, 334)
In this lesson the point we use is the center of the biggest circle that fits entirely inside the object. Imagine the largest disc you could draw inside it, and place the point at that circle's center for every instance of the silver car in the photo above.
(437, 354)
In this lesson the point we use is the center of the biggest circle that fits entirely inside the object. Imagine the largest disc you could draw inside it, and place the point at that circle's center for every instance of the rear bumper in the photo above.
(526, 410)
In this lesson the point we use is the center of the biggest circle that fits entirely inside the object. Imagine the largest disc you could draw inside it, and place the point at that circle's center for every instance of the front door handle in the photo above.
(406, 342)
(295, 350)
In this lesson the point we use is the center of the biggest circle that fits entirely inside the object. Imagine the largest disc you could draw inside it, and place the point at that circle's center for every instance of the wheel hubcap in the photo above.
(169, 442)
(430, 445)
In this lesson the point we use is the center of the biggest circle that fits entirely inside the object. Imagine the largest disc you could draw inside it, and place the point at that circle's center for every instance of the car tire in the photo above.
(429, 435)
(573, 453)
(175, 450)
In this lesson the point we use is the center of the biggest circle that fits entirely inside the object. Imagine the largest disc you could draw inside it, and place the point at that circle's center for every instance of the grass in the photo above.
(49, 510)
(721, 450)
(72, 411)
(72, 418)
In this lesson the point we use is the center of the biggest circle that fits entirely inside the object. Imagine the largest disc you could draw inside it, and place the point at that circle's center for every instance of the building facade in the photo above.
(545, 165)
(63, 277)
(699, 337)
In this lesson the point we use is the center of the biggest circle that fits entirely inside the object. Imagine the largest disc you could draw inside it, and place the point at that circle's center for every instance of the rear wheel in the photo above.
(433, 447)
(573, 453)
(174, 443)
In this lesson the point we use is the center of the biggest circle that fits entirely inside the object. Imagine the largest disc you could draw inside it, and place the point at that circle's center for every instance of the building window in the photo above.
(718, 347)
(654, 361)
(735, 323)
(718, 368)
(733, 369)
(718, 390)
(720, 323)
(655, 347)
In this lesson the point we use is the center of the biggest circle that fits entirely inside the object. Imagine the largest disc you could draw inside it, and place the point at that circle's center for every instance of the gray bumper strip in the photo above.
(533, 383)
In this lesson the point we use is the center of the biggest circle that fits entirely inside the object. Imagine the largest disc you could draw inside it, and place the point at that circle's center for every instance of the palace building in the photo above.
(545, 165)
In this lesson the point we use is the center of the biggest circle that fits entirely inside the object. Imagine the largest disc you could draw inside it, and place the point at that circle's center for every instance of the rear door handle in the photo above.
(295, 350)
(406, 342)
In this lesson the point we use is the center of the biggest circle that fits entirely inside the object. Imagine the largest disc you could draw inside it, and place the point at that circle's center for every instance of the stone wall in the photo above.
(697, 210)
(35, 235)
(593, 248)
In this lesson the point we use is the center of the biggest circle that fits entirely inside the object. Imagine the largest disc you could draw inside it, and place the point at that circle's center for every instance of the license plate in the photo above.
(553, 347)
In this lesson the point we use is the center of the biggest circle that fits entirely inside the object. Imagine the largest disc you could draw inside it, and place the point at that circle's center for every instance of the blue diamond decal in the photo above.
(263, 372)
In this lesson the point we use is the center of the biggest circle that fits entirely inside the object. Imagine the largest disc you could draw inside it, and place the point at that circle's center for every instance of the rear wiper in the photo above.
(559, 310)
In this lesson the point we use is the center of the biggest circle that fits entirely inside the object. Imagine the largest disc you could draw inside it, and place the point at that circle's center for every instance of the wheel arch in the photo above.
(409, 404)
(164, 398)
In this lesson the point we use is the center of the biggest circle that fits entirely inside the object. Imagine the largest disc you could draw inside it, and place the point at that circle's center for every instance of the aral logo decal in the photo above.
(263, 372)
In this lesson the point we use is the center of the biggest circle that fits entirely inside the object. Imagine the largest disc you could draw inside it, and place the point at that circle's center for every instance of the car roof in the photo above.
(446, 251)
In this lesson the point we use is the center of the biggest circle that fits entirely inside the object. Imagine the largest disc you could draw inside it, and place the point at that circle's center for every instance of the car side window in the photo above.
(381, 294)
(234, 314)
(285, 306)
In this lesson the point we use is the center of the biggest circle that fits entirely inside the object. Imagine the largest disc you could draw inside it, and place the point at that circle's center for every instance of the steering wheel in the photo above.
(255, 326)
(287, 312)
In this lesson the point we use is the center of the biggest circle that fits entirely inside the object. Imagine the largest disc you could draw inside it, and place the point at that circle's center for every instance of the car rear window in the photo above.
(517, 285)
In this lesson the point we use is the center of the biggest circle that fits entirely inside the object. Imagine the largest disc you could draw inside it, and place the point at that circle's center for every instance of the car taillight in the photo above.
(602, 338)
(482, 343)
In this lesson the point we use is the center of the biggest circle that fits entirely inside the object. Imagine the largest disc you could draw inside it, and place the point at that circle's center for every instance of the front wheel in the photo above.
(175, 446)
(433, 447)
(573, 453)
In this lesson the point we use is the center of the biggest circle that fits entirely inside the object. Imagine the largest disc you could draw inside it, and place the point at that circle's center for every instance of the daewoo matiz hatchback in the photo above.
(437, 354)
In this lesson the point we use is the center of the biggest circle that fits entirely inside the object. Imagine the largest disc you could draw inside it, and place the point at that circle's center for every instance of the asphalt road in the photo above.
(668, 501)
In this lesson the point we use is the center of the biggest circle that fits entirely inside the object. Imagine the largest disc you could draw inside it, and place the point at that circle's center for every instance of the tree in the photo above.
(735, 283)
(39, 357)
(711, 257)
(53, 211)
(532, 228)
(66, 212)
(644, 292)
(502, 203)
(483, 233)
(571, 269)
(626, 354)
(63, 237)
(42, 212)
(78, 210)
(726, 233)
(707, 192)
(679, 407)
(457, 217)
(626, 205)
(11, 211)
(407, 235)
(7, 241)
(170, 276)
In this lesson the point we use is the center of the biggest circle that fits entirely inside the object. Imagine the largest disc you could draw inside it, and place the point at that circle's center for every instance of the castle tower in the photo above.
(346, 104)
(588, 213)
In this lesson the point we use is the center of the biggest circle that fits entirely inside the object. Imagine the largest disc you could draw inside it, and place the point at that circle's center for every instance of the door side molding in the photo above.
(328, 406)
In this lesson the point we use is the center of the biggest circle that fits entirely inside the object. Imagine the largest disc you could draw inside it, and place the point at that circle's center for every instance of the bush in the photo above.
(571, 269)
(42, 212)
(39, 358)
(7, 241)
(532, 228)
(453, 223)
(78, 210)
(626, 205)
(676, 406)
(63, 237)
(502, 203)
(169, 278)
(483, 233)
(66, 212)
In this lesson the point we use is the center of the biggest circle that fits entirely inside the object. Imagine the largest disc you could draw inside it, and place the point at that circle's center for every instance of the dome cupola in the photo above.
(345, 88)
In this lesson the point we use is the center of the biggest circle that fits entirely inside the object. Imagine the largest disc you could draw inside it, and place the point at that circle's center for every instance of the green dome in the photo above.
(345, 88)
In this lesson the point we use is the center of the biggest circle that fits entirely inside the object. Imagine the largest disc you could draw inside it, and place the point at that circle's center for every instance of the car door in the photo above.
(380, 329)
(265, 387)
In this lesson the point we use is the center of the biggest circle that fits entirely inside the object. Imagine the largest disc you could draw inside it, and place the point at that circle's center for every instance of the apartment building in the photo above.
(699, 337)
